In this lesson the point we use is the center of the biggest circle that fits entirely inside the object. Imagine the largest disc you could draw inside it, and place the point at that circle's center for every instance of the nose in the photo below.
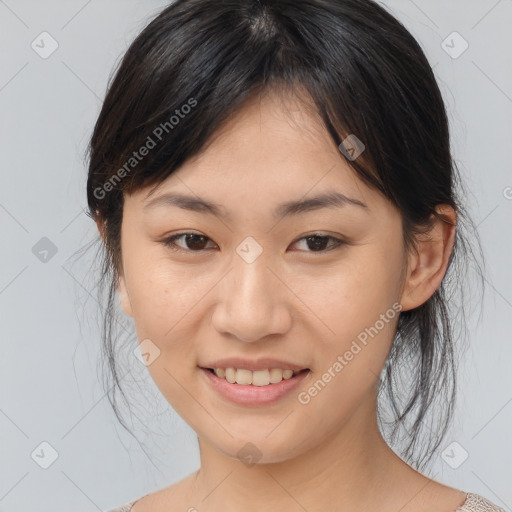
(253, 302)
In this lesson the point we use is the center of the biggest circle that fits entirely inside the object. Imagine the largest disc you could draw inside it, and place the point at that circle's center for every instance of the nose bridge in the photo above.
(251, 304)
(253, 285)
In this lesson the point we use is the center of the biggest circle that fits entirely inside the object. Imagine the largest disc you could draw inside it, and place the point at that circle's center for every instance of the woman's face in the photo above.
(251, 285)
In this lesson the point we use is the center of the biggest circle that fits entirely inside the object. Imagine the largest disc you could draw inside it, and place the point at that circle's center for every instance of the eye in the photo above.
(195, 242)
(318, 242)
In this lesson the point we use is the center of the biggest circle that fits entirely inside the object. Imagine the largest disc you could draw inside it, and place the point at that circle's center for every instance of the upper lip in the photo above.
(264, 363)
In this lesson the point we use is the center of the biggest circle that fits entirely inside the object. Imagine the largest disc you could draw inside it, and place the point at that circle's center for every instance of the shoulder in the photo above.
(127, 507)
(124, 508)
(476, 503)
(178, 494)
(438, 496)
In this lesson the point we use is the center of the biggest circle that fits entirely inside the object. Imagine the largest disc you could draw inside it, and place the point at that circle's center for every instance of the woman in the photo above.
(273, 184)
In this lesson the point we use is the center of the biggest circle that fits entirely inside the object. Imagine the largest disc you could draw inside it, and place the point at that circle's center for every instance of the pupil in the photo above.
(319, 242)
(193, 238)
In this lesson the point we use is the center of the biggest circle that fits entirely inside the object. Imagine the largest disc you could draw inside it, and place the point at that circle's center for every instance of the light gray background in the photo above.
(49, 369)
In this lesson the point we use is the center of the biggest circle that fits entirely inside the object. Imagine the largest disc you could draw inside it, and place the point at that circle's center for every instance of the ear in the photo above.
(101, 226)
(427, 265)
(124, 298)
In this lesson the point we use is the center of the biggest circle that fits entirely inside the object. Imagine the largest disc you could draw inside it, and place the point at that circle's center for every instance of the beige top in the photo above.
(474, 503)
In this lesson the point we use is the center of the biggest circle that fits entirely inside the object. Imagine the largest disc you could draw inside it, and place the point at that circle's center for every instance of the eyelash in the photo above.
(169, 242)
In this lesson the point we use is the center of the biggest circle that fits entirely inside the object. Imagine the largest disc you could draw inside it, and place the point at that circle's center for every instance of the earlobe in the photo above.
(427, 265)
(124, 298)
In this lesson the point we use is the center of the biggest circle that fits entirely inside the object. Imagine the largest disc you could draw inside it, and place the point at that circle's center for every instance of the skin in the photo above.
(292, 302)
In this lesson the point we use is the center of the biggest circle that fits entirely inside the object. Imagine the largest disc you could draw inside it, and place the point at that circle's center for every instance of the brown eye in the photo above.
(193, 242)
(320, 243)
(317, 242)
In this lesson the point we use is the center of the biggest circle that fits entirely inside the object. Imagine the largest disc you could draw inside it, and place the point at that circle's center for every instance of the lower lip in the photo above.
(247, 394)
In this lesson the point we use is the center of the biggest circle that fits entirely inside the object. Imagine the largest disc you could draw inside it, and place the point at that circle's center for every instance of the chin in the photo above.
(261, 449)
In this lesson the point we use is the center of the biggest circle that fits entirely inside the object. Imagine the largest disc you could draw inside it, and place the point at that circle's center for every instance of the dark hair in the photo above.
(365, 74)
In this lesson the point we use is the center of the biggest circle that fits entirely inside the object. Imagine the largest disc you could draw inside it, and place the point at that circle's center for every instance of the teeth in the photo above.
(243, 377)
(256, 378)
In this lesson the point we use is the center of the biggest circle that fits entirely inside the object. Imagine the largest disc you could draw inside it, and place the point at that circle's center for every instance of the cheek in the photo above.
(161, 291)
(357, 308)
(162, 297)
(359, 305)
(352, 295)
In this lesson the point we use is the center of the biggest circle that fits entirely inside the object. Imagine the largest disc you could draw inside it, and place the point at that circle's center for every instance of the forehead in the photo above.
(271, 126)
(275, 149)
(275, 138)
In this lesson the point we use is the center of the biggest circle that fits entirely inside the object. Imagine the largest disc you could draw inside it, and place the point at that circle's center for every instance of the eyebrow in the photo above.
(296, 207)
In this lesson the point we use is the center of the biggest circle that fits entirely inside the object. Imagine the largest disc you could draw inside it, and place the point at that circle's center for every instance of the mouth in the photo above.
(253, 388)
(246, 377)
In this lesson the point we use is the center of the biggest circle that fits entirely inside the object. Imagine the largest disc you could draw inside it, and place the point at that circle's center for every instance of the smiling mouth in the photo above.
(254, 378)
